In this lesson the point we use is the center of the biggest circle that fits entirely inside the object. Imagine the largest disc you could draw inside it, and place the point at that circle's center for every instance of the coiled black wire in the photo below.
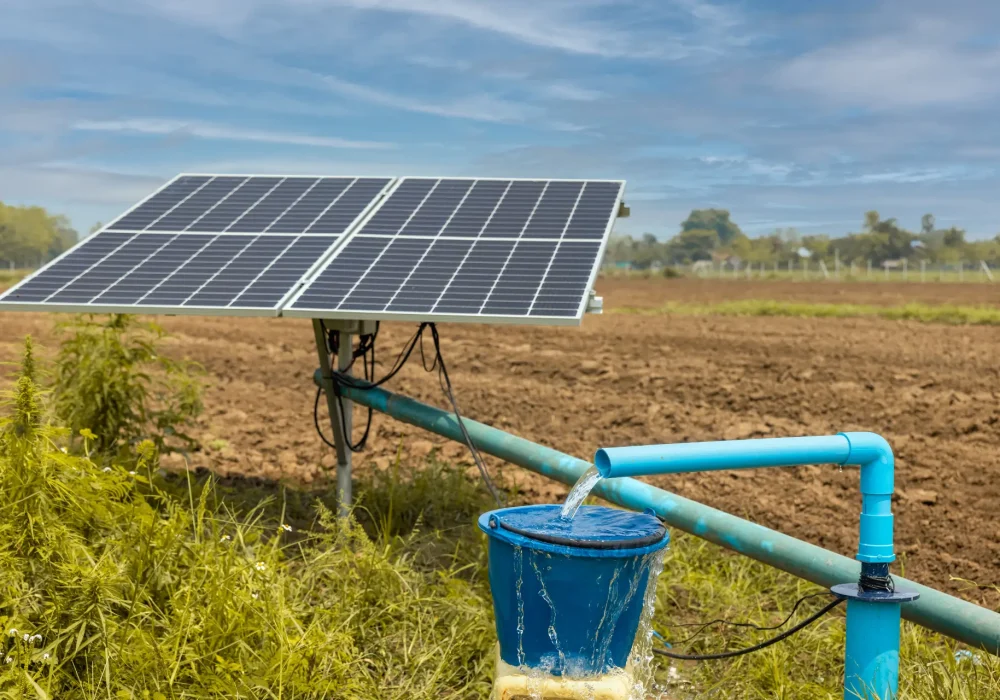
(341, 379)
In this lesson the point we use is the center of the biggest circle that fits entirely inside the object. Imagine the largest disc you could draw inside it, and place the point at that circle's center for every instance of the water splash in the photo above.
(552, 620)
(518, 583)
(644, 684)
(578, 494)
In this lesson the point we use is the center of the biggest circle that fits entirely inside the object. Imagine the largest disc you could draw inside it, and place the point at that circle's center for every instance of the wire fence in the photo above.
(893, 271)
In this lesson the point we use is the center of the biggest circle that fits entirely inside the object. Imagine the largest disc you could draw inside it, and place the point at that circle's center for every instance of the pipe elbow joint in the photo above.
(874, 455)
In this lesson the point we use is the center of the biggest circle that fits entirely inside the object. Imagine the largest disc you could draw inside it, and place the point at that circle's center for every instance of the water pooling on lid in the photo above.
(598, 525)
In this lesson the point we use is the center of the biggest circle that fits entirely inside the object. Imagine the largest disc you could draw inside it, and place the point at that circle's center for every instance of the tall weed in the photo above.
(111, 379)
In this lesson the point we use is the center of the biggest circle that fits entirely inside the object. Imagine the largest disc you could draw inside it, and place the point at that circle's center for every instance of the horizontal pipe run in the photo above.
(644, 460)
(940, 612)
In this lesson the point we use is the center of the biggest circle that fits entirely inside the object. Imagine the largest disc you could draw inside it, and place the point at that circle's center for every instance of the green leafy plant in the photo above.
(112, 587)
(111, 379)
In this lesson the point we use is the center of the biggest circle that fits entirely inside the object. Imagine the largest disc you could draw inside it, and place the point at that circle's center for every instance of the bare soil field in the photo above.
(933, 391)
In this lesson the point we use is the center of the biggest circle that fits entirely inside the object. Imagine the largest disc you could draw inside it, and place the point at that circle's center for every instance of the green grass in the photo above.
(702, 582)
(9, 278)
(925, 313)
(120, 580)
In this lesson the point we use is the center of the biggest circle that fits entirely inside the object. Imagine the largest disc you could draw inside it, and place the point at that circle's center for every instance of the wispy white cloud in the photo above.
(166, 127)
(581, 27)
(924, 64)
(480, 107)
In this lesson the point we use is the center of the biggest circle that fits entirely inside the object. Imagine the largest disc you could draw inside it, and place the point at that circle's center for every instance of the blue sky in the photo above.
(786, 112)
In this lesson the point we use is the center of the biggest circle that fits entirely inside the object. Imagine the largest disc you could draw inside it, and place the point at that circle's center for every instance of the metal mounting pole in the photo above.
(341, 437)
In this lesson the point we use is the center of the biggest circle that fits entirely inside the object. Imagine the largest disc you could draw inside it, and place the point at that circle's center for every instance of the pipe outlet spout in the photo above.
(869, 451)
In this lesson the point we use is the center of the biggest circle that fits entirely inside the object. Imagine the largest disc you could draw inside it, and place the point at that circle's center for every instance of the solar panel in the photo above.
(518, 251)
(226, 245)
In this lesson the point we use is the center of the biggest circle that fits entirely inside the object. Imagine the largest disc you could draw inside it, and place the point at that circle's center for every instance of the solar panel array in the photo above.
(202, 243)
(470, 250)
(327, 247)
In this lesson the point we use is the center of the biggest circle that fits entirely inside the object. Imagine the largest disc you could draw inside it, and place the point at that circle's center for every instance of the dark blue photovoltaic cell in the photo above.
(383, 279)
(471, 285)
(182, 270)
(160, 203)
(54, 277)
(437, 209)
(266, 211)
(565, 283)
(196, 205)
(593, 211)
(241, 270)
(431, 276)
(396, 210)
(513, 212)
(554, 210)
(234, 205)
(350, 205)
(214, 253)
(175, 250)
(461, 247)
(310, 206)
(337, 279)
(475, 211)
(285, 272)
(255, 204)
(522, 275)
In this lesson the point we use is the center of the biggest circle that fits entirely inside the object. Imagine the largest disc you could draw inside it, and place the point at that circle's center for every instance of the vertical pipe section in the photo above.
(940, 612)
(871, 655)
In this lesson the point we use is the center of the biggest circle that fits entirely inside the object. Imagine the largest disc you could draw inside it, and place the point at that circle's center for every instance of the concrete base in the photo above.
(511, 683)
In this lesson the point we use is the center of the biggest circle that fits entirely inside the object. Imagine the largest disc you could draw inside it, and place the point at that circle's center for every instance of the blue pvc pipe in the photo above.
(935, 610)
(871, 654)
(869, 451)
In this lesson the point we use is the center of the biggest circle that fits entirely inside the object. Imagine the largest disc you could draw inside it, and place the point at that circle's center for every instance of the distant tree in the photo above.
(927, 223)
(30, 235)
(712, 220)
(871, 220)
(693, 244)
(954, 238)
(95, 228)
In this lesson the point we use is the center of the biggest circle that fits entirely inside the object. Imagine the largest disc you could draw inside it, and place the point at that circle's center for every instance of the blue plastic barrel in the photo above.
(568, 596)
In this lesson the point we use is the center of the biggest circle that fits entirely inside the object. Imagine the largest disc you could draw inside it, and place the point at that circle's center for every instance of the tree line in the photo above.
(31, 236)
(710, 234)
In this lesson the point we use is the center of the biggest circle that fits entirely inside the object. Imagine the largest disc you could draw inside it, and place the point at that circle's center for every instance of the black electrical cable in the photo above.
(702, 626)
(366, 344)
(342, 379)
(756, 647)
(443, 374)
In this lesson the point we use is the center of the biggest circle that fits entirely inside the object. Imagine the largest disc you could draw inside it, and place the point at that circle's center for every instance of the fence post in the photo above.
(905, 269)
(836, 263)
(923, 270)
(961, 271)
(986, 270)
(822, 268)
(869, 268)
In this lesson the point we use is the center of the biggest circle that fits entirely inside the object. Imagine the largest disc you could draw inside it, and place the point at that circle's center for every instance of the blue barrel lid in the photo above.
(595, 531)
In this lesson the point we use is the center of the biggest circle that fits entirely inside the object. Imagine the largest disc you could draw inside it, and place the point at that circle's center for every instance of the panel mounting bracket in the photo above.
(595, 304)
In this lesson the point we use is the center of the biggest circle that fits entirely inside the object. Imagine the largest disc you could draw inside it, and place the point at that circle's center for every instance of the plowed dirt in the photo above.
(933, 391)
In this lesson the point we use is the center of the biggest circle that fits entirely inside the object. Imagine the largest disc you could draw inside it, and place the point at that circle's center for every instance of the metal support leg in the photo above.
(340, 436)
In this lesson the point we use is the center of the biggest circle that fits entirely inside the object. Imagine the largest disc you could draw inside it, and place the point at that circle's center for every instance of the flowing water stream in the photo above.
(578, 494)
